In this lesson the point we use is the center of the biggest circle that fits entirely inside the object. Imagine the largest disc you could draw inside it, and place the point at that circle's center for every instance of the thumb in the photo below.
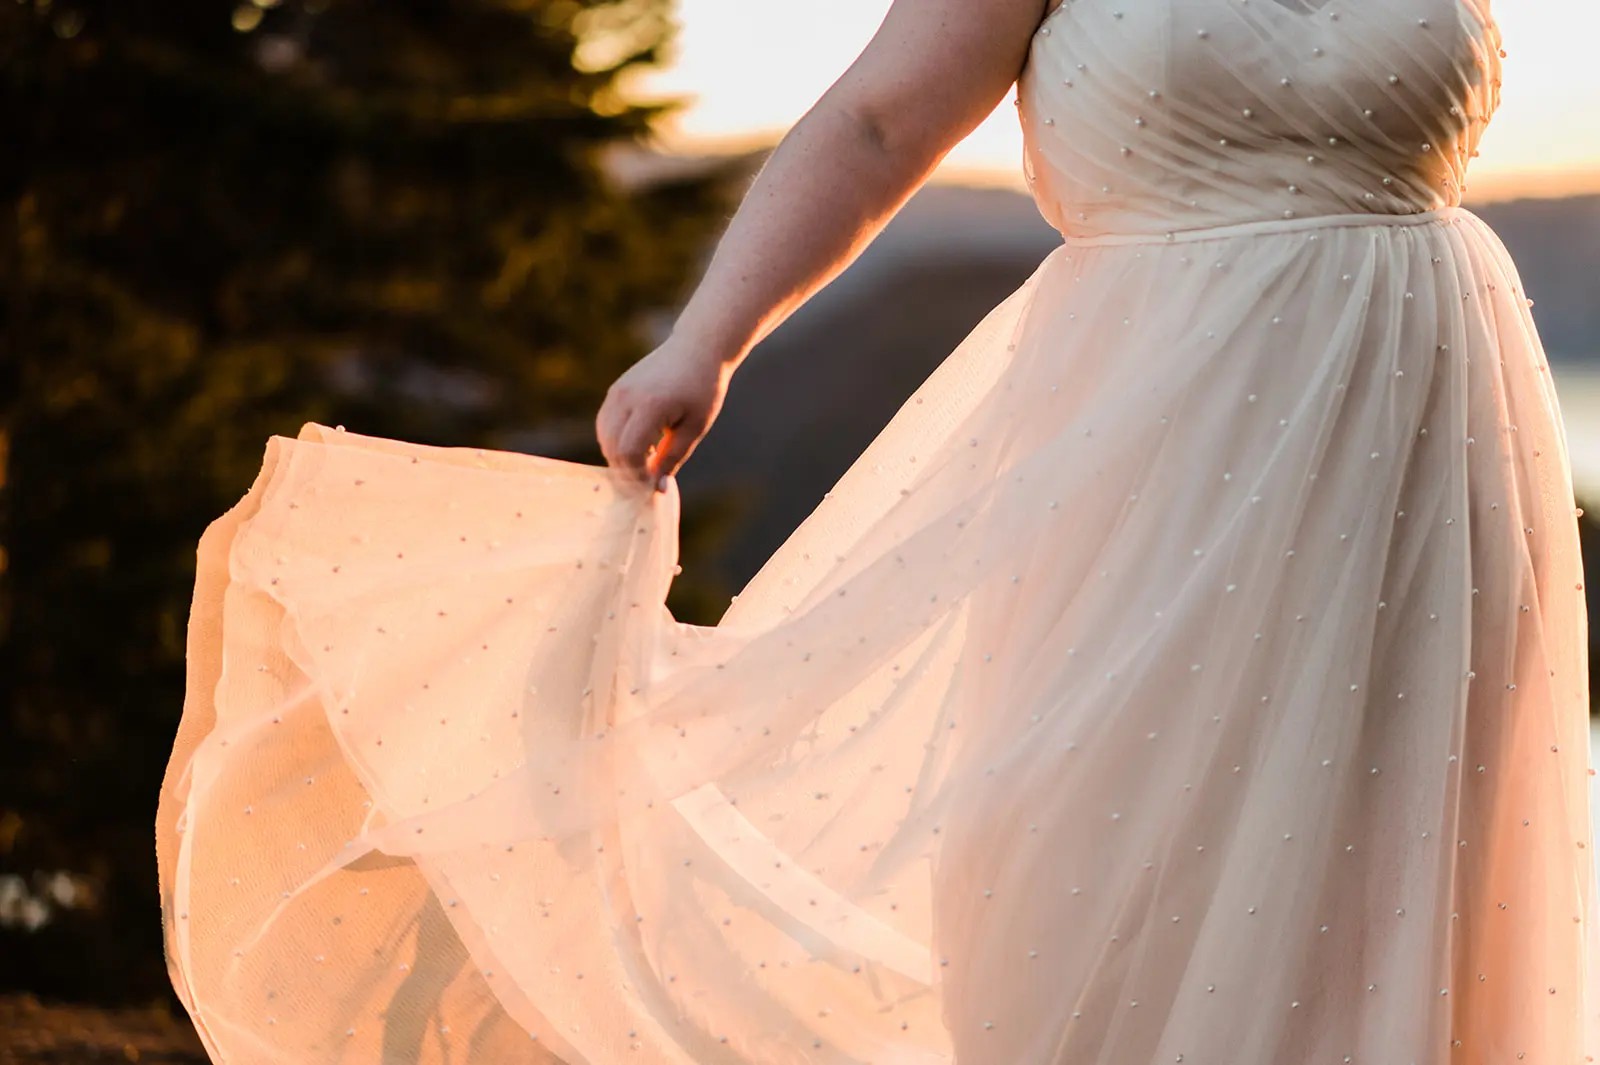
(677, 444)
(669, 459)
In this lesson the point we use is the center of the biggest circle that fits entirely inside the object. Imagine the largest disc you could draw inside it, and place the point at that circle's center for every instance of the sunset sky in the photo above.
(754, 66)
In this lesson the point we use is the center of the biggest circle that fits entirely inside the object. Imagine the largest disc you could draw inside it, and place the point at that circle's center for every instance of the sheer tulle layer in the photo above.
(1193, 669)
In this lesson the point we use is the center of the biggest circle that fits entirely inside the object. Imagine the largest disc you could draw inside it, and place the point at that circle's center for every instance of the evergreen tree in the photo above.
(223, 221)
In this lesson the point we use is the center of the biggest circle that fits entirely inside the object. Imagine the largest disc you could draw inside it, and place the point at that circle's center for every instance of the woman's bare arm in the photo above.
(931, 73)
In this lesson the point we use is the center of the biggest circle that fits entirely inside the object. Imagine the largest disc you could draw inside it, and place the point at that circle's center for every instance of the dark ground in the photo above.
(32, 1033)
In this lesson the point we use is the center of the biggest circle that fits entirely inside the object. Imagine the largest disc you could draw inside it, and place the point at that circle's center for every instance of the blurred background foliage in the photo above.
(224, 220)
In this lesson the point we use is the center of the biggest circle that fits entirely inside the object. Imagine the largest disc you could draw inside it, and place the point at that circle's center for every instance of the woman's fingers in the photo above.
(654, 415)
(642, 432)
(608, 425)
(679, 444)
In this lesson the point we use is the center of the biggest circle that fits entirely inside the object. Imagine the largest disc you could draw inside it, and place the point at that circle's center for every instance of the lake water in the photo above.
(1594, 788)
(1578, 391)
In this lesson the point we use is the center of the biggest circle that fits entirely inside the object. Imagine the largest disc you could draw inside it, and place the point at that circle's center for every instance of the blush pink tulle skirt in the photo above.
(1179, 676)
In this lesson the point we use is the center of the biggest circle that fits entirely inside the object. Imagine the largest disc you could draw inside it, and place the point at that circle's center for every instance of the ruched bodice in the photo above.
(1163, 115)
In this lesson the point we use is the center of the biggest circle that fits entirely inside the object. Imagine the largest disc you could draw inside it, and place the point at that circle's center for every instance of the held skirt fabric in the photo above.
(1192, 670)
(1194, 686)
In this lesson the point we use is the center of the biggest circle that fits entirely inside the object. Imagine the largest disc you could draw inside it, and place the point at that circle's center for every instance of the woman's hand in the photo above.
(824, 192)
(659, 409)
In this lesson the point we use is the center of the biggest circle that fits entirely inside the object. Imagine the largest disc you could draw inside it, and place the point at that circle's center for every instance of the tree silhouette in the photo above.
(223, 221)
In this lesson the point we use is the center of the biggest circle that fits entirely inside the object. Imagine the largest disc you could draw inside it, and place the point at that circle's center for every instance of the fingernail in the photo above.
(661, 483)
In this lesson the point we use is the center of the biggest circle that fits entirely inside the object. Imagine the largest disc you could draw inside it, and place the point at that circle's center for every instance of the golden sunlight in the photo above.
(752, 67)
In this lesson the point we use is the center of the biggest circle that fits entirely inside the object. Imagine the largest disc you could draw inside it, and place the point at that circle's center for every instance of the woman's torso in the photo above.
(1146, 116)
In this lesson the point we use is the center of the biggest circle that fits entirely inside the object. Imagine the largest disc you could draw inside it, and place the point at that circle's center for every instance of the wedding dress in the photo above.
(1193, 669)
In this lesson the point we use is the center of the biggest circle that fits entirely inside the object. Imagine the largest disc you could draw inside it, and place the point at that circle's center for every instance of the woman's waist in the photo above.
(1168, 231)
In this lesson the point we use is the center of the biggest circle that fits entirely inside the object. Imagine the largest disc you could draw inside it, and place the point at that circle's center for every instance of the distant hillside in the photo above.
(816, 392)
(1556, 245)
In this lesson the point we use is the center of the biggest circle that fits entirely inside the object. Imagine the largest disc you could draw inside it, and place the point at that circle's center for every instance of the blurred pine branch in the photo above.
(224, 220)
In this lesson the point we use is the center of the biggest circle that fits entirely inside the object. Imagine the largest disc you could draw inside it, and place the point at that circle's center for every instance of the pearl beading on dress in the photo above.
(1192, 670)
(1402, 148)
